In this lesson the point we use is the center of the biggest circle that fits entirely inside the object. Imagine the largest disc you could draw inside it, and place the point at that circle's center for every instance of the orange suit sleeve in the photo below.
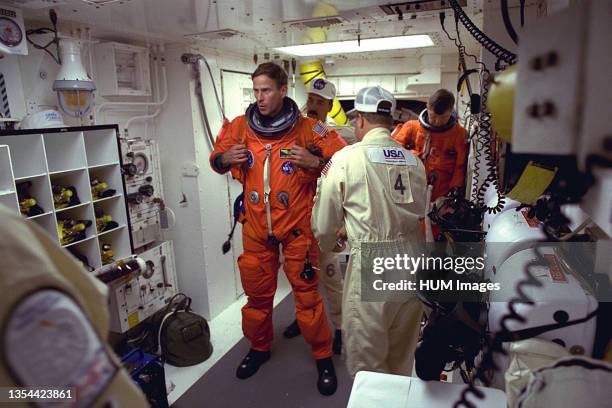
(229, 136)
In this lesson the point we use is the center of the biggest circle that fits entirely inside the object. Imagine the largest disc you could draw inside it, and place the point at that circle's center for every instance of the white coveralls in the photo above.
(55, 321)
(331, 278)
(358, 188)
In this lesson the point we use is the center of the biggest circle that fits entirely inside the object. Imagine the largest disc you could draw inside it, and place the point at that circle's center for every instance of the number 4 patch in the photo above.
(399, 184)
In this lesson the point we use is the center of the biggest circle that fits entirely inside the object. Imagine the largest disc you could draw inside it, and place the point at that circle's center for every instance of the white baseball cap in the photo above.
(323, 88)
(375, 99)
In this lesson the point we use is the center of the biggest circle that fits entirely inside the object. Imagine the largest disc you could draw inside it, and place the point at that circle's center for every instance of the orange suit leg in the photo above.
(309, 310)
(258, 266)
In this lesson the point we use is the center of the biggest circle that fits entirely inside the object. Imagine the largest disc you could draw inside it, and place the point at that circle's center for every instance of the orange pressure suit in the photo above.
(290, 198)
(443, 153)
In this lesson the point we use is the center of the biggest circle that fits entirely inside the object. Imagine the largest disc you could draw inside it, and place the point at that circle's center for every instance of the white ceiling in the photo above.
(262, 24)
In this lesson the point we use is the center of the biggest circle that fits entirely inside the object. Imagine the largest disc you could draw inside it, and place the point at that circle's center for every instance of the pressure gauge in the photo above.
(149, 271)
(141, 162)
(10, 33)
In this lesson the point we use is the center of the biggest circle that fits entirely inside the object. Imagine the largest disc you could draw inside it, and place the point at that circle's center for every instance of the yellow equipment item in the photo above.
(501, 103)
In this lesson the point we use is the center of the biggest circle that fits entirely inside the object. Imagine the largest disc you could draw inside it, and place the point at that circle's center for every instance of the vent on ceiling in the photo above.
(214, 35)
(418, 6)
(315, 22)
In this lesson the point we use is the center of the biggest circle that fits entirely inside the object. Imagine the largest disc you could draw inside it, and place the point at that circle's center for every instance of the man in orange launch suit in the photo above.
(440, 142)
(269, 150)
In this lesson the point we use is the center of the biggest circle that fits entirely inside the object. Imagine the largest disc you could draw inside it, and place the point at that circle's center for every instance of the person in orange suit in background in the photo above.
(440, 142)
(276, 153)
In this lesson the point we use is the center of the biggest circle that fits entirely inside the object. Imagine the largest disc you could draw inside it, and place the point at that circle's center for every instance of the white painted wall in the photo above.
(30, 79)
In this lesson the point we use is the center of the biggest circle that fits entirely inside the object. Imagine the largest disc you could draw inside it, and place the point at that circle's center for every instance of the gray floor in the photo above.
(287, 380)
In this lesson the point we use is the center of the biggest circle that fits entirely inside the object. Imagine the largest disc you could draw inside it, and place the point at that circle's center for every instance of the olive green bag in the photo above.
(183, 335)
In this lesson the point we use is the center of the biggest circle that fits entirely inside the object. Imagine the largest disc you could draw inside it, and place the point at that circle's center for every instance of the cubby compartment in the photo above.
(38, 189)
(119, 241)
(65, 151)
(109, 174)
(115, 208)
(7, 184)
(48, 223)
(73, 181)
(101, 147)
(9, 200)
(76, 214)
(87, 253)
(27, 154)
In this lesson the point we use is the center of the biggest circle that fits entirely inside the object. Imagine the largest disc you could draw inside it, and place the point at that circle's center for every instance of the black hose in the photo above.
(507, 22)
(194, 59)
(212, 80)
(200, 95)
(53, 17)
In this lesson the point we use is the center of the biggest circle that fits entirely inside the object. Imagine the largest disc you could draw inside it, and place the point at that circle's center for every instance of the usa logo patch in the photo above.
(392, 156)
(320, 129)
(250, 159)
(287, 168)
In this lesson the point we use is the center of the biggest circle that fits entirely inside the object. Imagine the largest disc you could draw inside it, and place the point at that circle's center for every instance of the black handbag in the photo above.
(183, 335)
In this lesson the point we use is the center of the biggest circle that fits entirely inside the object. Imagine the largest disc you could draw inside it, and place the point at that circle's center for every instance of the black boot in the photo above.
(293, 330)
(251, 363)
(337, 345)
(327, 382)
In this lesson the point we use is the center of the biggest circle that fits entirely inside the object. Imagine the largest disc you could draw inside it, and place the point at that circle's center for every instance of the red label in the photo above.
(556, 273)
(533, 223)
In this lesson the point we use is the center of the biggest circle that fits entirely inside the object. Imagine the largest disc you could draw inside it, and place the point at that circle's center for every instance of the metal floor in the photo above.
(287, 380)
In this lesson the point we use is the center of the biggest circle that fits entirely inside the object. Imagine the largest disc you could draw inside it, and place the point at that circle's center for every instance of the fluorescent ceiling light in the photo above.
(100, 2)
(366, 45)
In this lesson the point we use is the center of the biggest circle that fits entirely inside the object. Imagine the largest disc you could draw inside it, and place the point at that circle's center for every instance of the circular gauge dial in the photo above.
(149, 271)
(141, 162)
(10, 33)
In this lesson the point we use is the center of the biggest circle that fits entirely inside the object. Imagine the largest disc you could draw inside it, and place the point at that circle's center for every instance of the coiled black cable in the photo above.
(483, 140)
(500, 52)
(484, 137)
(495, 343)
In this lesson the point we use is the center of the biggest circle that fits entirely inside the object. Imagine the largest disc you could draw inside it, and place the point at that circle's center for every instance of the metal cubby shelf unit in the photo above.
(69, 156)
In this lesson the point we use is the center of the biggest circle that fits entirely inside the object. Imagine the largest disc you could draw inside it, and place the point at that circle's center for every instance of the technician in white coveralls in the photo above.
(376, 188)
(320, 100)
(55, 322)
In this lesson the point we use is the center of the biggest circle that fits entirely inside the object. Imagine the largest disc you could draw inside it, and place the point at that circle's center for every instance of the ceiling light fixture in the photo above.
(100, 2)
(73, 86)
(363, 45)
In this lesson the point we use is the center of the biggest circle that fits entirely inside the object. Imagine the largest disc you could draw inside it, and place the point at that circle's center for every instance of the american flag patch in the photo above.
(321, 129)
(326, 168)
